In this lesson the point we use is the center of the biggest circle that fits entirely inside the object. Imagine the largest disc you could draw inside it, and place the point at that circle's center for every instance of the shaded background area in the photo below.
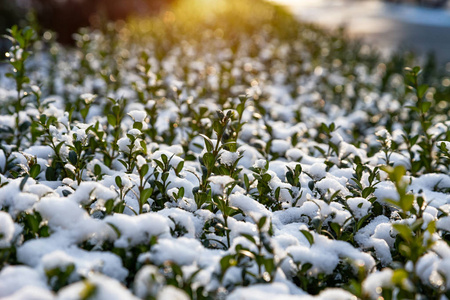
(66, 16)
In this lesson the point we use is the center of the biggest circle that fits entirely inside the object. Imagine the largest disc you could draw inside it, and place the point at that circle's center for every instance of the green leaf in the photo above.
(425, 106)
(217, 127)
(395, 174)
(367, 191)
(266, 177)
(421, 90)
(406, 202)
(73, 158)
(32, 222)
(277, 193)
(97, 170)
(24, 126)
(35, 170)
(413, 108)
(118, 181)
(181, 192)
(399, 276)
(58, 147)
(404, 231)
(209, 160)
(308, 236)
(179, 167)
(137, 125)
(361, 221)
(115, 228)
(290, 178)
(262, 221)
(84, 112)
(88, 291)
(144, 170)
(227, 261)
(159, 164)
(336, 228)
(124, 163)
(208, 143)
(23, 182)
(145, 194)
(109, 205)
(269, 265)
(249, 237)
(164, 159)
(78, 146)
(50, 174)
(417, 70)
(431, 228)
(116, 110)
(240, 108)
(246, 181)
(413, 140)
(306, 267)
(112, 120)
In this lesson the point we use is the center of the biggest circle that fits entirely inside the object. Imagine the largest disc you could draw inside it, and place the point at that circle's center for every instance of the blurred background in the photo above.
(65, 17)
(419, 25)
(422, 26)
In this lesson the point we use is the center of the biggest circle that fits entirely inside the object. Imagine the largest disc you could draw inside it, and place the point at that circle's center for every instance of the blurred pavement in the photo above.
(388, 26)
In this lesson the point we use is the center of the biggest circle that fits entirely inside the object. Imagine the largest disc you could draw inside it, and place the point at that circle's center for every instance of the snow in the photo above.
(190, 222)
(15, 278)
(443, 268)
(280, 146)
(331, 185)
(138, 115)
(31, 293)
(87, 191)
(385, 190)
(56, 259)
(140, 161)
(359, 206)
(376, 280)
(324, 255)
(377, 234)
(256, 292)
(219, 184)
(125, 144)
(134, 132)
(15, 200)
(88, 97)
(43, 152)
(228, 158)
(66, 216)
(171, 292)
(104, 288)
(170, 249)
(148, 282)
(317, 170)
(6, 229)
(250, 156)
(248, 205)
(260, 164)
(139, 229)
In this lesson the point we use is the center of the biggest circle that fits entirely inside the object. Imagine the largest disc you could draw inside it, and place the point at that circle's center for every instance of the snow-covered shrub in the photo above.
(257, 156)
